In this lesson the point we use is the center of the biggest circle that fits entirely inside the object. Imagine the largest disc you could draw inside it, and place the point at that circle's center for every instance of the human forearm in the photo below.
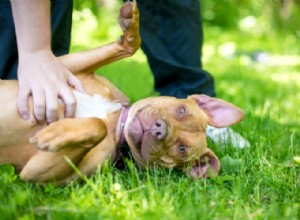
(40, 74)
(32, 24)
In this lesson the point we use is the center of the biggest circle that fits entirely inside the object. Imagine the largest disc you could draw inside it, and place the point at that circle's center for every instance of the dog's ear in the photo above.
(207, 166)
(220, 112)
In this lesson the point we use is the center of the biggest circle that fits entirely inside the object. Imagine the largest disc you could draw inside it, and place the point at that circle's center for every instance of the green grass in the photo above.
(261, 182)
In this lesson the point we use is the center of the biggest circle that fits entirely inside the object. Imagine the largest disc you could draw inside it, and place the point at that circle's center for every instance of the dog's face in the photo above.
(171, 132)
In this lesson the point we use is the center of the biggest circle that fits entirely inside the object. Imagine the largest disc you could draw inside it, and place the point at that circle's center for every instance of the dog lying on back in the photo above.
(160, 131)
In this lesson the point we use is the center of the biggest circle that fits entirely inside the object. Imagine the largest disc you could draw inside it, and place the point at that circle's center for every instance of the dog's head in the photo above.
(171, 132)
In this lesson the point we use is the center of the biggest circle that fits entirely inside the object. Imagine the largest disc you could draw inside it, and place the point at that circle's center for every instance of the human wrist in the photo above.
(27, 53)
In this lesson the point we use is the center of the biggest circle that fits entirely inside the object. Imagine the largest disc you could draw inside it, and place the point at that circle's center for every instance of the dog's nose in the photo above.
(159, 129)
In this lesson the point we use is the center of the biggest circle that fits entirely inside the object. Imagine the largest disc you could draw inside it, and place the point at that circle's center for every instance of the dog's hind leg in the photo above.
(45, 167)
(71, 138)
(86, 62)
(54, 167)
(92, 160)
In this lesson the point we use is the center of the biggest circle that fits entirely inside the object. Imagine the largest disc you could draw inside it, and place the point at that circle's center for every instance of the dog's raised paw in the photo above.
(126, 14)
(129, 22)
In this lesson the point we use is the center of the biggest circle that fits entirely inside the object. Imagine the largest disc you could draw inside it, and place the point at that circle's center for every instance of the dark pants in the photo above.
(61, 21)
(172, 37)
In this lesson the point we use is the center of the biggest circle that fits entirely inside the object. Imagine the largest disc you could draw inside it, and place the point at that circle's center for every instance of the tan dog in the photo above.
(162, 131)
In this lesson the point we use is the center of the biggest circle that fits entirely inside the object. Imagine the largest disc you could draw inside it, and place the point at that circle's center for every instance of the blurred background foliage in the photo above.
(274, 21)
(270, 15)
(241, 33)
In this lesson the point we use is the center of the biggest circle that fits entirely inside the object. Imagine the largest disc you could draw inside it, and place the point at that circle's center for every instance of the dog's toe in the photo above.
(33, 140)
(43, 147)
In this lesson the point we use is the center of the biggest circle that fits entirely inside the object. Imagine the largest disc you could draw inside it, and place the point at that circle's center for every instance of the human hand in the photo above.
(46, 79)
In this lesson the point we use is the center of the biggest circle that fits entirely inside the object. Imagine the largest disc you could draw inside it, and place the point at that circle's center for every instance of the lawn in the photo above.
(260, 74)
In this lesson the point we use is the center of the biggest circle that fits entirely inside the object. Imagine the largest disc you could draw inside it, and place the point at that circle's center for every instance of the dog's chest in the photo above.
(94, 106)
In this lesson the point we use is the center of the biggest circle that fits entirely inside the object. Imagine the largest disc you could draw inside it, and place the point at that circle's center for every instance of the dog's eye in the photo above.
(182, 150)
(181, 111)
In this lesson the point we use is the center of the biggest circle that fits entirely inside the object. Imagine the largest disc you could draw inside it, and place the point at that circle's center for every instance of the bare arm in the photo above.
(40, 73)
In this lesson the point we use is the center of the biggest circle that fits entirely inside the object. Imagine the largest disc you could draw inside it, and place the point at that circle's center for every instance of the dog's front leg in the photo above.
(68, 132)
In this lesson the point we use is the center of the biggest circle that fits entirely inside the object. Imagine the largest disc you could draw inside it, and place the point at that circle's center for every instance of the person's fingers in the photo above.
(51, 106)
(69, 101)
(39, 105)
(75, 83)
(22, 102)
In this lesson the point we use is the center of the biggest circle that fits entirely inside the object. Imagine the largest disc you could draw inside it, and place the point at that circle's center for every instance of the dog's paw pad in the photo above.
(129, 22)
(126, 10)
(125, 16)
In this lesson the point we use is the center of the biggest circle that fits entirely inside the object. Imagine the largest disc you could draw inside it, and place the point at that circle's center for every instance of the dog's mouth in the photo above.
(136, 132)
(136, 129)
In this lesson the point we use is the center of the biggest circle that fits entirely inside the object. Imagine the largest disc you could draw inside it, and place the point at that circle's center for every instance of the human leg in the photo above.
(61, 24)
(172, 36)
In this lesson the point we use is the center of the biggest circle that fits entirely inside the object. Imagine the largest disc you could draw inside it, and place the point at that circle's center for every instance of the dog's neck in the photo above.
(121, 123)
(122, 147)
(94, 106)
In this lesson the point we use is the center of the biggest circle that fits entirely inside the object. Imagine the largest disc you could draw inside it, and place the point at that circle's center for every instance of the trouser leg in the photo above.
(172, 37)
(61, 25)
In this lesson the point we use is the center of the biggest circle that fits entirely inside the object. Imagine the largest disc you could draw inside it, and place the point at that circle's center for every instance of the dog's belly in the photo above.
(12, 128)
(15, 132)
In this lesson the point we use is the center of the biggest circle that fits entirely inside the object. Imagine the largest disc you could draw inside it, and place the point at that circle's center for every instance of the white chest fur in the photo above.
(94, 106)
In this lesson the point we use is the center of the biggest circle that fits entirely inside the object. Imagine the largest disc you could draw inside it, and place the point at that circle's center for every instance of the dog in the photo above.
(160, 131)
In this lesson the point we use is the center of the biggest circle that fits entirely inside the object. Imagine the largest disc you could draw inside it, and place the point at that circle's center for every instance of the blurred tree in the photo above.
(280, 15)
(275, 15)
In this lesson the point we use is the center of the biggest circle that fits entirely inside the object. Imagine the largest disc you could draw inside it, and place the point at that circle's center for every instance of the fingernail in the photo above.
(32, 121)
(25, 116)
